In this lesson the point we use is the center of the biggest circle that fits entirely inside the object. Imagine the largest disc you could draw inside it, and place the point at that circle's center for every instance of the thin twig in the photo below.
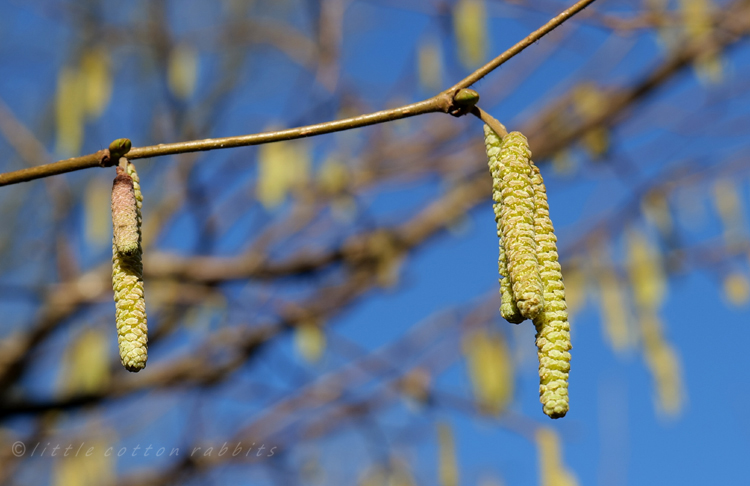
(59, 167)
(442, 102)
(498, 127)
(432, 105)
(526, 42)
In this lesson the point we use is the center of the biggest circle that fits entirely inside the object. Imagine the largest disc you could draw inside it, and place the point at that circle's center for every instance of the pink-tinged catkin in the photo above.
(127, 282)
(517, 221)
(124, 213)
(552, 327)
(508, 307)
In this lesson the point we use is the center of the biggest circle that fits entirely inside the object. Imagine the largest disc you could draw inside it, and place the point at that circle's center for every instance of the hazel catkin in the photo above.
(127, 278)
(509, 162)
(124, 213)
(508, 308)
(533, 287)
(552, 327)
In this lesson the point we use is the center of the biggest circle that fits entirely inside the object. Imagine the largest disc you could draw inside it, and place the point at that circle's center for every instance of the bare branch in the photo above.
(520, 46)
(442, 102)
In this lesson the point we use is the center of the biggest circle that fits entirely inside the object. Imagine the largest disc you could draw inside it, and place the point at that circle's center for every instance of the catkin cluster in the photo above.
(552, 327)
(127, 269)
(532, 285)
(513, 196)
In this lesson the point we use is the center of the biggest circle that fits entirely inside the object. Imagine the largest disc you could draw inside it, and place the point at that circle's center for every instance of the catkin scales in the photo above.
(531, 282)
(127, 269)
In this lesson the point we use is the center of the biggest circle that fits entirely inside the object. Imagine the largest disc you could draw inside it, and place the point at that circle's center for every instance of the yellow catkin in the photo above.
(127, 282)
(552, 470)
(663, 362)
(508, 308)
(552, 327)
(511, 166)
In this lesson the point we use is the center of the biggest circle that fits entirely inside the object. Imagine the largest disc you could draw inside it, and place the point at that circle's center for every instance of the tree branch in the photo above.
(442, 102)
(516, 49)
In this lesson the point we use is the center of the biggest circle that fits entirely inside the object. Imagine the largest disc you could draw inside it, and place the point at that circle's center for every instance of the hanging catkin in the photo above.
(508, 308)
(124, 214)
(552, 327)
(511, 173)
(127, 270)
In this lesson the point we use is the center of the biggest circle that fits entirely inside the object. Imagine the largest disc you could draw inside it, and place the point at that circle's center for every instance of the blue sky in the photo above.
(614, 434)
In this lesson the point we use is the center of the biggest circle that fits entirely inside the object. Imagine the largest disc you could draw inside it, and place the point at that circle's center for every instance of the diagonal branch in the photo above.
(553, 23)
(442, 102)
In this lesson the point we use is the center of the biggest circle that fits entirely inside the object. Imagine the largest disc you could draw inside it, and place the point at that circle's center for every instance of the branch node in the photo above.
(445, 101)
(463, 102)
(104, 158)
